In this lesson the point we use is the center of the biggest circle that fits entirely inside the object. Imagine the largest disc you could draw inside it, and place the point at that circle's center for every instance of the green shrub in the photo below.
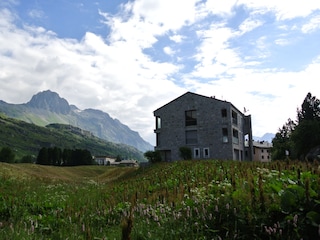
(185, 153)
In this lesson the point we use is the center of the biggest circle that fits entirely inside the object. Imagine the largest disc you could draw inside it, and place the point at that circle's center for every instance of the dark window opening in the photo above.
(206, 152)
(191, 137)
(191, 117)
(225, 135)
(158, 139)
(224, 112)
(235, 136)
(197, 153)
(234, 118)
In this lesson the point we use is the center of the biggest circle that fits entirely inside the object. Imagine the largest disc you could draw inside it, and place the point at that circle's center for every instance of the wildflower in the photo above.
(216, 209)
(188, 211)
(227, 206)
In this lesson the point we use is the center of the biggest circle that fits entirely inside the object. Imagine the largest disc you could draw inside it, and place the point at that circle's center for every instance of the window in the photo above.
(158, 139)
(191, 117)
(158, 122)
(225, 135)
(191, 137)
(206, 153)
(224, 112)
(196, 153)
(235, 136)
(234, 118)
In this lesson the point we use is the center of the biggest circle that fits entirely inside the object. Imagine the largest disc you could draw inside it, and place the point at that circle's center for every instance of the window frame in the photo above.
(190, 117)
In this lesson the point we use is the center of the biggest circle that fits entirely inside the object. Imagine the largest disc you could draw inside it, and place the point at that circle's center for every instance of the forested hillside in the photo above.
(27, 139)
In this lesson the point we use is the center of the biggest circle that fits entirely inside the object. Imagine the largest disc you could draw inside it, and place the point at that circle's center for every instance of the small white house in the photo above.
(104, 160)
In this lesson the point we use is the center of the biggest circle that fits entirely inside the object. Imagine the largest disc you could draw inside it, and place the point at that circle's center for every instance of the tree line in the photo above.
(300, 138)
(66, 157)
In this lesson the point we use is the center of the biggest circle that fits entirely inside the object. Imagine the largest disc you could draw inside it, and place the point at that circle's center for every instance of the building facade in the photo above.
(262, 151)
(211, 128)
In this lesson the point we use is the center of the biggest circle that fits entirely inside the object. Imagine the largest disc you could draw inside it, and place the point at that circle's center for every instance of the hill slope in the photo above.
(76, 174)
(48, 107)
(26, 139)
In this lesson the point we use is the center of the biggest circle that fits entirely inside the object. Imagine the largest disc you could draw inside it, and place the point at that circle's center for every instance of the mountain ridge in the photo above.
(48, 107)
(266, 137)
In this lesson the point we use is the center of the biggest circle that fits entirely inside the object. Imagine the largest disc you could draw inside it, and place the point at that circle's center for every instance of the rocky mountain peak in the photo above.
(50, 101)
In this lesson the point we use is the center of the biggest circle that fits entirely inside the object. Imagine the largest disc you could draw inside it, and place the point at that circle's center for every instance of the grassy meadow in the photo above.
(180, 200)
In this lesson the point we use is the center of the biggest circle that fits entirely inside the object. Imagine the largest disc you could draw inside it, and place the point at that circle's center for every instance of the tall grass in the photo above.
(180, 200)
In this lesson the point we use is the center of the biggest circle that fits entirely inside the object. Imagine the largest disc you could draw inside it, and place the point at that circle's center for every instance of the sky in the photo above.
(128, 58)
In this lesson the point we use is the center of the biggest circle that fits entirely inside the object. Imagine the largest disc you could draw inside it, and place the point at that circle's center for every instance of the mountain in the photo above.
(48, 107)
(27, 139)
(266, 137)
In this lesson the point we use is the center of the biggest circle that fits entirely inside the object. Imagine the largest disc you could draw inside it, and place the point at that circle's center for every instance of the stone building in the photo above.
(211, 128)
(262, 151)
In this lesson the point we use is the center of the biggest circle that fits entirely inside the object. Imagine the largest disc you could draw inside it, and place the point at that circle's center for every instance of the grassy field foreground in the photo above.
(180, 200)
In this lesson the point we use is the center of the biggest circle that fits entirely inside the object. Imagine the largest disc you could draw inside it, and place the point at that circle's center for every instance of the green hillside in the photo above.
(26, 139)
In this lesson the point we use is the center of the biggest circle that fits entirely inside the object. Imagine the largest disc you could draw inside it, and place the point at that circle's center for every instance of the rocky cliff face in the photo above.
(48, 107)
(49, 101)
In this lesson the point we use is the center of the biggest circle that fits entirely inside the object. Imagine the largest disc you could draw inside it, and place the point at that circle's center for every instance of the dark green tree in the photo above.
(66, 157)
(118, 158)
(307, 132)
(305, 137)
(153, 156)
(310, 109)
(85, 157)
(56, 156)
(301, 136)
(282, 141)
(7, 155)
(42, 157)
(27, 159)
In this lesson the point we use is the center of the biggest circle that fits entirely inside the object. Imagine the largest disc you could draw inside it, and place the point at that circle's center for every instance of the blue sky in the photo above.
(128, 58)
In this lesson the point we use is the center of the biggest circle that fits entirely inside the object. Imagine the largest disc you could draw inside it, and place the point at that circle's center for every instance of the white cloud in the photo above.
(214, 54)
(177, 38)
(249, 24)
(282, 41)
(168, 50)
(90, 73)
(117, 75)
(283, 9)
(36, 13)
(312, 25)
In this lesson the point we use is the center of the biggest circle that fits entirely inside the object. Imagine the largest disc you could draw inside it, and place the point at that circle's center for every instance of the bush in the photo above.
(27, 159)
(153, 156)
(185, 153)
(7, 155)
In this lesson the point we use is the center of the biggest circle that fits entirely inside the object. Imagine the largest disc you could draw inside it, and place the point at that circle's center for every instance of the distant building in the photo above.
(211, 128)
(129, 163)
(262, 151)
(104, 160)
